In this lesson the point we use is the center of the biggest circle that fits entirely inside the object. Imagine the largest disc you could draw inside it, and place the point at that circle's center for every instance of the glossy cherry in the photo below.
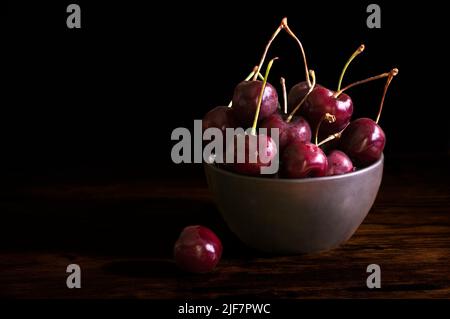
(339, 163)
(322, 100)
(259, 151)
(197, 249)
(222, 117)
(297, 93)
(245, 101)
(364, 140)
(296, 130)
(301, 160)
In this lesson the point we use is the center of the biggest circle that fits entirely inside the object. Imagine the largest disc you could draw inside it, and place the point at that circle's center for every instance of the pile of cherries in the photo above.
(315, 111)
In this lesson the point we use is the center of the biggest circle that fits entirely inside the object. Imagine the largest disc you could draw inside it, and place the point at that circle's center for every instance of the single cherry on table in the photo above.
(198, 249)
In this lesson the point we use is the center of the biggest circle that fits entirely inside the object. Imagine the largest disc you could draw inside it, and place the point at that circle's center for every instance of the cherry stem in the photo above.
(260, 98)
(274, 35)
(313, 76)
(248, 78)
(326, 117)
(354, 55)
(283, 86)
(393, 73)
(333, 136)
(379, 76)
(285, 25)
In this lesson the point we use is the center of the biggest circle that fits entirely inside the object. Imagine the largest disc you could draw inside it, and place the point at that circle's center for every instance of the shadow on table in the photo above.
(127, 227)
(142, 268)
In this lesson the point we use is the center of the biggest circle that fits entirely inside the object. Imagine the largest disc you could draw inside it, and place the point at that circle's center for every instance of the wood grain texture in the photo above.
(122, 233)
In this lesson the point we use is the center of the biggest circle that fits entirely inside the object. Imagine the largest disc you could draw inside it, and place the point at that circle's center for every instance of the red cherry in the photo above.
(291, 128)
(197, 249)
(220, 117)
(296, 130)
(253, 162)
(297, 93)
(259, 149)
(339, 163)
(301, 160)
(363, 140)
(321, 101)
(245, 102)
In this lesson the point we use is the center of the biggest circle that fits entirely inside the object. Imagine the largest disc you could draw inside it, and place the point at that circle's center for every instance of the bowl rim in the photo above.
(378, 163)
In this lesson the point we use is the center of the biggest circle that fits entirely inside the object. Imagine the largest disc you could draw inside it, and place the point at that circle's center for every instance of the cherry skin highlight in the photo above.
(245, 102)
(297, 93)
(296, 130)
(321, 101)
(268, 149)
(363, 141)
(220, 117)
(301, 160)
(197, 249)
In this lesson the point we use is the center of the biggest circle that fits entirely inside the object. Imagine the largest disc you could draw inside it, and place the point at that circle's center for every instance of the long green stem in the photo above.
(326, 117)
(354, 55)
(393, 73)
(313, 84)
(260, 98)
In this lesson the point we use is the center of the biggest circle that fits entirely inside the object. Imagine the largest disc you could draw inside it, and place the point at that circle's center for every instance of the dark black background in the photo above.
(103, 100)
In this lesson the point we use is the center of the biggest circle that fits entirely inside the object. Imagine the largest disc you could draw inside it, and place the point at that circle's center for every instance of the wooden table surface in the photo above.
(121, 233)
